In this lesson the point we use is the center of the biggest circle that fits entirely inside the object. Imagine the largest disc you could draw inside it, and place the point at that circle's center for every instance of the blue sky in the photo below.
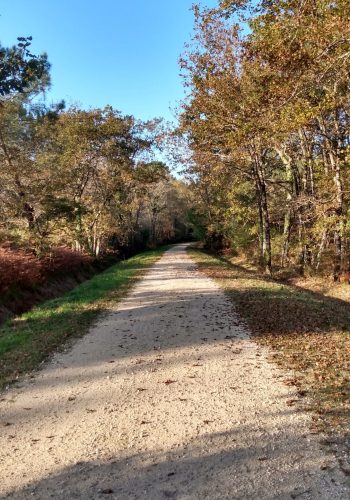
(118, 52)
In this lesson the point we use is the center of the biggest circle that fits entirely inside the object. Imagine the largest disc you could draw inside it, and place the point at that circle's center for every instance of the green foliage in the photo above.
(199, 230)
(20, 70)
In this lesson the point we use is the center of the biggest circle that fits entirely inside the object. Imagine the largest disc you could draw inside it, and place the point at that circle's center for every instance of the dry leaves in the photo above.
(307, 333)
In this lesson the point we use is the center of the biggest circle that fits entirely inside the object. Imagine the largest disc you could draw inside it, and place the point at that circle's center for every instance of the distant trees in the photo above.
(268, 123)
(78, 178)
(82, 179)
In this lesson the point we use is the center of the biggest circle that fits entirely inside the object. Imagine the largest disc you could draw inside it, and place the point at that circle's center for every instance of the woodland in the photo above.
(76, 185)
(262, 140)
(261, 158)
(266, 124)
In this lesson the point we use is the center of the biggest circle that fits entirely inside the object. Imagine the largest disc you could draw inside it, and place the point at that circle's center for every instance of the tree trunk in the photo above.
(264, 211)
(321, 249)
(287, 229)
(337, 265)
(332, 148)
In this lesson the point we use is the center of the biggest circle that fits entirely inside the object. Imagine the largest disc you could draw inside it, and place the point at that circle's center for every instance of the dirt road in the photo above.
(166, 397)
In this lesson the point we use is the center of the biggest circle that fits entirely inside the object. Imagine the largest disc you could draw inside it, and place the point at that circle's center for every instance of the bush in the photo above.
(21, 269)
(18, 269)
(62, 260)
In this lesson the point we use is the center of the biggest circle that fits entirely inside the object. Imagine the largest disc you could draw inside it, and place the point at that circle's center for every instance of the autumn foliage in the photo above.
(26, 279)
(267, 123)
(20, 269)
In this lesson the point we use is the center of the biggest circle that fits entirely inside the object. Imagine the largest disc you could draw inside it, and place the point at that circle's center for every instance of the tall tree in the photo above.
(21, 71)
(270, 107)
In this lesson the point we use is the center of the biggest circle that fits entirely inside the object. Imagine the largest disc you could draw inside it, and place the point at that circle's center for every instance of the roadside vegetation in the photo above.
(266, 124)
(307, 332)
(87, 180)
(79, 189)
(27, 340)
(264, 137)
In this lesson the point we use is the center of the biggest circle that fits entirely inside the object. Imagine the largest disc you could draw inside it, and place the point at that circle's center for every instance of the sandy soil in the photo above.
(166, 397)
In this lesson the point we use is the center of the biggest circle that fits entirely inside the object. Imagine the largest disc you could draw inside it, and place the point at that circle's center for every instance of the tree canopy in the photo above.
(85, 179)
(267, 123)
(20, 70)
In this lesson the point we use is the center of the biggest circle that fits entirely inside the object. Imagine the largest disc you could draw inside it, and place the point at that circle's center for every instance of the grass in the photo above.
(308, 333)
(29, 339)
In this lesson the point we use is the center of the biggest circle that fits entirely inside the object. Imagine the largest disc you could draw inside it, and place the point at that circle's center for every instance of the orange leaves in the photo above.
(18, 267)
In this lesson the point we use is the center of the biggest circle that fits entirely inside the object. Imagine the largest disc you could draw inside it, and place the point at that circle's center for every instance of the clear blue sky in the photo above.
(118, 52)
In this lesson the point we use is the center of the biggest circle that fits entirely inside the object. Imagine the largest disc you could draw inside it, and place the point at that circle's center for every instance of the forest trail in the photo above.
(166, 397)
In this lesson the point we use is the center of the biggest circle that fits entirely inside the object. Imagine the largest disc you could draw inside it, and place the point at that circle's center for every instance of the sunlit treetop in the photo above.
(21, 71)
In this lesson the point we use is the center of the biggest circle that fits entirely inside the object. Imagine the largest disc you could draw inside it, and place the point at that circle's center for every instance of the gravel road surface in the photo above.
(166, 397)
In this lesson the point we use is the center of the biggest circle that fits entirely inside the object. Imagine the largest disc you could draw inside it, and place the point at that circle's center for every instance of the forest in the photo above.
(266, 124)
(76, 185)
(174, 293)
(264, 133)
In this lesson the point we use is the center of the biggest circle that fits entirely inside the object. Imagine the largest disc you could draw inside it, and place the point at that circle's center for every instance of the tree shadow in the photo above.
(223, 465)
(307, 331)
(151, 327)
(280, 308)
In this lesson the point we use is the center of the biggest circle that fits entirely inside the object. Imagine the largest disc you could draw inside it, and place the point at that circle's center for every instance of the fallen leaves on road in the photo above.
(307, 333)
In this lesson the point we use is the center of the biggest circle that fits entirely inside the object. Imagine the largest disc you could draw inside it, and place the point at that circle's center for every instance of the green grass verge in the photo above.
(27, 340)
(308, 333)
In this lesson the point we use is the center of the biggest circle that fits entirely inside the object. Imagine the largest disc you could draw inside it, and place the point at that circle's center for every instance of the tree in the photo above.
(21, 71)
(268, 109)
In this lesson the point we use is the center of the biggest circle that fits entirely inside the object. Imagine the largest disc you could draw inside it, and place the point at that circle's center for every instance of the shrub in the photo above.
(21, 269)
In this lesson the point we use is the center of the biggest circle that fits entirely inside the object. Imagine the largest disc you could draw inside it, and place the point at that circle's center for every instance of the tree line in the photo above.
(84, 179)
(267, 124)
